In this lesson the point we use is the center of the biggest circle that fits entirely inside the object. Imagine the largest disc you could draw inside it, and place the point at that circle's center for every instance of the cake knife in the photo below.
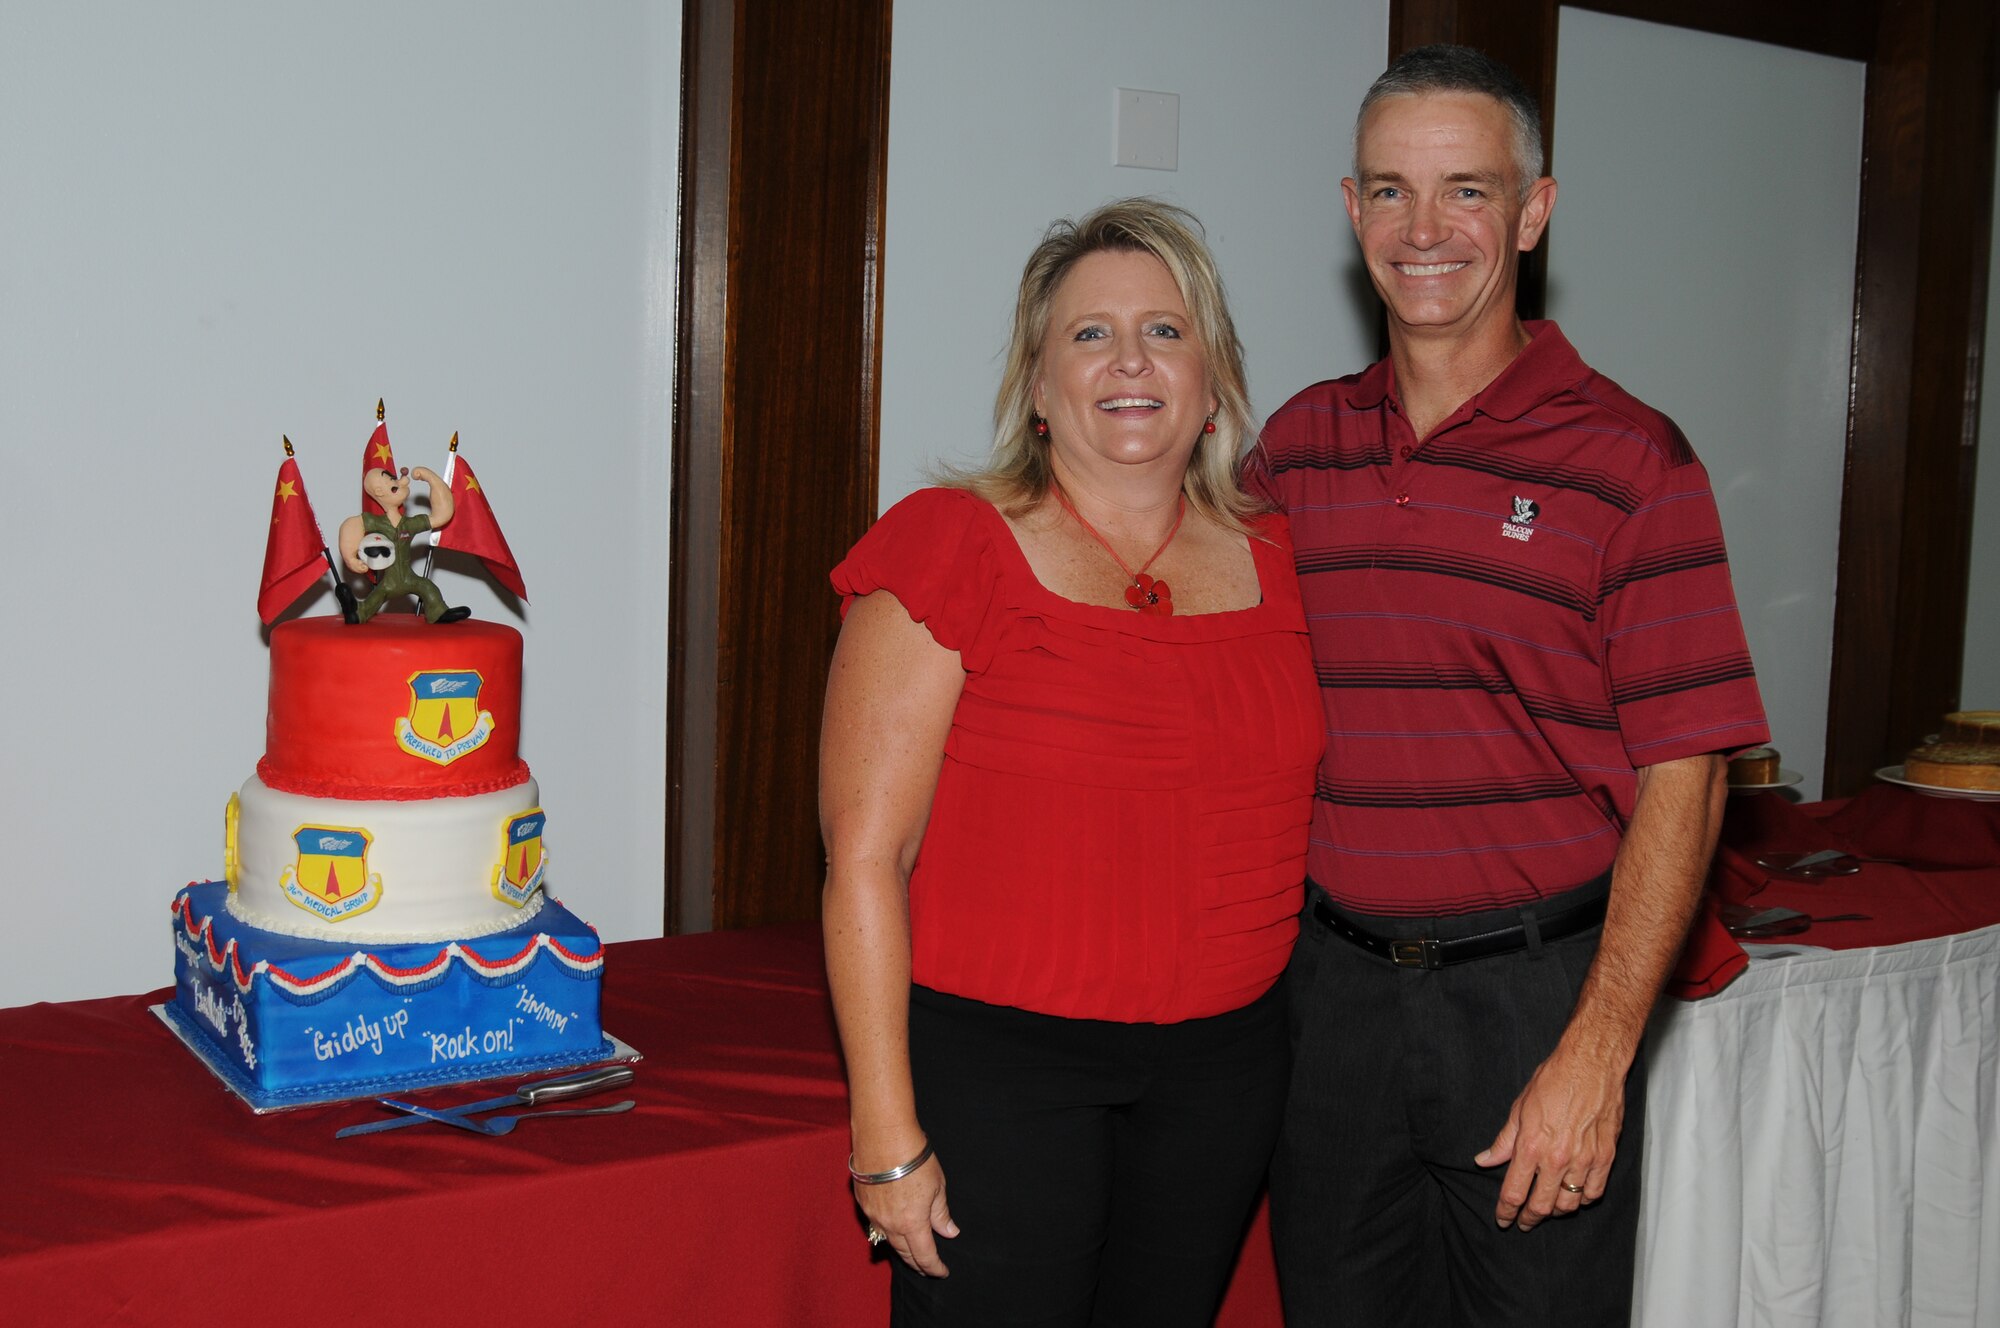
(546, 1090)
(495, 1126)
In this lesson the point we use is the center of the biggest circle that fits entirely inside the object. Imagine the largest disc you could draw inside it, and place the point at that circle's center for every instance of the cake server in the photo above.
(545, 1090)
(498, 1125)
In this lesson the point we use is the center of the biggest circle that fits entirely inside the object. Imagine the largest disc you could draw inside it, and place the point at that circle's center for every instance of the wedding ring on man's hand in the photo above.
(875, 1237)
(1573, 1189)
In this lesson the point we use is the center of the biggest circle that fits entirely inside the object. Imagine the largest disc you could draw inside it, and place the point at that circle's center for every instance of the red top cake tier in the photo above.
(393, 708)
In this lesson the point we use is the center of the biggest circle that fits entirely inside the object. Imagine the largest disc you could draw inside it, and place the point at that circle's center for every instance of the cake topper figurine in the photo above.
(379, 546)
(377, 543)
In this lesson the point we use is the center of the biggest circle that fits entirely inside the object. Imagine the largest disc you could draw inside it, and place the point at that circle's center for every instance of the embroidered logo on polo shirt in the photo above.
(1520, 523)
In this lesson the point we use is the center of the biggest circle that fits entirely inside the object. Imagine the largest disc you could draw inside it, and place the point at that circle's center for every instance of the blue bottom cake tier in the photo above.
(288, 1021)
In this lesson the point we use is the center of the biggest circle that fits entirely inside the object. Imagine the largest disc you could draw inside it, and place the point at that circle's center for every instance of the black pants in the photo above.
(1100, 1173)
(1400, 1076)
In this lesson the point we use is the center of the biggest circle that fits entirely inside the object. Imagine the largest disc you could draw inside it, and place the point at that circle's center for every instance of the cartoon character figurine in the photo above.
(381, 544)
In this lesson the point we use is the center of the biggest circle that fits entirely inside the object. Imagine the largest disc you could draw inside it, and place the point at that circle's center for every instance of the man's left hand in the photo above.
(1562, 1131)
(1559, 1140)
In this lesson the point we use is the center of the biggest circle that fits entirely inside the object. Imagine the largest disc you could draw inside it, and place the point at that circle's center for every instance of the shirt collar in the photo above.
(1374, 385)
(1548, 364)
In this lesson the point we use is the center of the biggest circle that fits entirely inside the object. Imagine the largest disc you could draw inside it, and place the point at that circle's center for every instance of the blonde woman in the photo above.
(1065, 774)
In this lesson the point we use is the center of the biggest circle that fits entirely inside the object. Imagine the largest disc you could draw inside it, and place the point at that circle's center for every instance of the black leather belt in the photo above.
(1429, 952)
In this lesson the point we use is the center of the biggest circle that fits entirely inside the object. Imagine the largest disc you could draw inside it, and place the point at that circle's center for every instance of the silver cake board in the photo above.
(263, 1103)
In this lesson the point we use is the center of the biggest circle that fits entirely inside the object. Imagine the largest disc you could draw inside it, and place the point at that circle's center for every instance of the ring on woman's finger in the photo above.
(875, 1237)
(1573, 1189)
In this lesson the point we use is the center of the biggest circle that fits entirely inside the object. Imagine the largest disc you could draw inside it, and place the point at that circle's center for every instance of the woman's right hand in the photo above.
(889, 701)
(911, 1213)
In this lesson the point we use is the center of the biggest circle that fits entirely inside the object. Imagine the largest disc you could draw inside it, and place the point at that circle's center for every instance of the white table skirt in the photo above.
(1823, 1144)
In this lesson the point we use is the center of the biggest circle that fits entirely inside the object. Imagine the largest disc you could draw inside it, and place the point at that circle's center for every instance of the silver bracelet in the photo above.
(893, 1173)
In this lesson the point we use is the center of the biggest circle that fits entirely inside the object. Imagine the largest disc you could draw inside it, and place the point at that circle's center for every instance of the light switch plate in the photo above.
(1148, 129)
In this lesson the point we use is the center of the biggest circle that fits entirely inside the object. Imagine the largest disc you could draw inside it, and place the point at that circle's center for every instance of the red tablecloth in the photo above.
(1946, 878)
(135, 1189)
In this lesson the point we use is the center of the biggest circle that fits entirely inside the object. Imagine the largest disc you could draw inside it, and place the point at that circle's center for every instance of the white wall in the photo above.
(1981, 687)
(1000, 121)
(226, 221)
(1702, 255)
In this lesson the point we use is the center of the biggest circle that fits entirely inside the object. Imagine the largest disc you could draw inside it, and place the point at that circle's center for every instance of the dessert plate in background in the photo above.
(1893, 774)
(1786, 778)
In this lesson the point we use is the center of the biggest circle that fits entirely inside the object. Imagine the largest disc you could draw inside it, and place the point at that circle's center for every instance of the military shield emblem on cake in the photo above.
(522, 860)
(445, 721)
(331, 879)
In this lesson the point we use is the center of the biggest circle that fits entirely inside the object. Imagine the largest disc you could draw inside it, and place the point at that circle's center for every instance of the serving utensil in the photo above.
(499, 1125)
(1824, 862)
(1786, 922)
(530, 1094)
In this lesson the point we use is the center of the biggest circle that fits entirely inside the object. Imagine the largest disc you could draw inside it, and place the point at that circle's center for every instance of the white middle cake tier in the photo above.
(430, 869)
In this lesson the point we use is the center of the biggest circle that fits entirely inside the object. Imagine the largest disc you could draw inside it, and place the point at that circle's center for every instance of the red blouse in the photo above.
(1119, 828)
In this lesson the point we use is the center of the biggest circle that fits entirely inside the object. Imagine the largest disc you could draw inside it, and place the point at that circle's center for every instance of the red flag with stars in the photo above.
(378, 456)
(473, 528)
(294, 552)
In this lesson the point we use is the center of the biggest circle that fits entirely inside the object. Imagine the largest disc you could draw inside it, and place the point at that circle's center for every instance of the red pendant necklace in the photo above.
(1148, 596)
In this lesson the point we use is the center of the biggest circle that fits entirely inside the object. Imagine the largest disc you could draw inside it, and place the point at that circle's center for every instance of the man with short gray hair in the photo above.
(1531, 665)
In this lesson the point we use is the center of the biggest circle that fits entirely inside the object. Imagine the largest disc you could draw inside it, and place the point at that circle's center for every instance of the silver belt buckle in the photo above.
(1414, 954)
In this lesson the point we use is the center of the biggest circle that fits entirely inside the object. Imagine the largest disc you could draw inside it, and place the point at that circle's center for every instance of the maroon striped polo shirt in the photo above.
(1508, 618)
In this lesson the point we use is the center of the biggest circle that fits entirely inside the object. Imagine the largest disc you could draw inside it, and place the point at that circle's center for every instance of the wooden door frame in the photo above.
(1900, 600)
(784, 157)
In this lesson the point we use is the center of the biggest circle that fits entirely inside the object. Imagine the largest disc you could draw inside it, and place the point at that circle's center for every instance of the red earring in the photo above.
(1042, 427)
(1209, 427)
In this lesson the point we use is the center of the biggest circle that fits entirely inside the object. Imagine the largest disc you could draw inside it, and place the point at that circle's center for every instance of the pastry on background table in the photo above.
(1755, 767)
(1958, 765)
